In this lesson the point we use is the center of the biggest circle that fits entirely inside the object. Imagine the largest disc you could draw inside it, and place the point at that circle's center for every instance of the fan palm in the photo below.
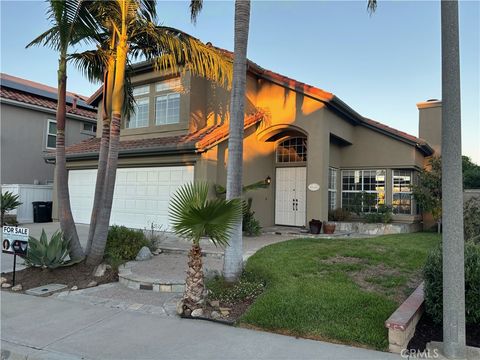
(193, 216)
(72, 23)
(9, 202)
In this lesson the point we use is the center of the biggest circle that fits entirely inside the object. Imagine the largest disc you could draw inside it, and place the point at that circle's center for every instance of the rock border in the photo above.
(138, 282)
(402, 323)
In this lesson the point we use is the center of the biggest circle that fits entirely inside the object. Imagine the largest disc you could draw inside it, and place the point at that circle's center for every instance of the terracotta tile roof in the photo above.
(200, 140)
(32, 93)
(393, 131)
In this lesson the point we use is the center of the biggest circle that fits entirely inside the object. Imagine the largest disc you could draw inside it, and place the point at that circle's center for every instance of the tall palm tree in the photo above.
(130, 26)
(194, 216)
(72, 23)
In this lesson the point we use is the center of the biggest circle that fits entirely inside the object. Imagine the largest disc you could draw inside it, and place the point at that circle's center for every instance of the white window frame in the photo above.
(291, 139)
(141, 90)
(172, 85)
(412, 200)
(49, 134)
(134, 119)
(363, 186)
(94, 128)
(332, 191)
(168, 97)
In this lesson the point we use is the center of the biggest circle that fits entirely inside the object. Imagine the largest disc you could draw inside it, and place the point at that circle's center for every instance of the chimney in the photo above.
(430, 123)
(74, 103)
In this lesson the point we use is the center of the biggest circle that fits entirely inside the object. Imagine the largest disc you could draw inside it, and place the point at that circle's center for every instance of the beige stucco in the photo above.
(333, 141)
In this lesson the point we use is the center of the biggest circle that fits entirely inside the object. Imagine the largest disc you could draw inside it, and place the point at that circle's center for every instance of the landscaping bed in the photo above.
(427, 331)
(339, 290)
(80, 275)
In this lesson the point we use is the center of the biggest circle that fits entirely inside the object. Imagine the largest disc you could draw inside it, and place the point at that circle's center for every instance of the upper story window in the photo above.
(139, 117)
(141, 90)
(402, 197)
(167, 109)
(90, 128)
(357, 182)
(169, 85)
(51, 134)
(292, 150)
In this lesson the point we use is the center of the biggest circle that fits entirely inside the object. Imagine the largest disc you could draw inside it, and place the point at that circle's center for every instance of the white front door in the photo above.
(290, 196)
(141, 195)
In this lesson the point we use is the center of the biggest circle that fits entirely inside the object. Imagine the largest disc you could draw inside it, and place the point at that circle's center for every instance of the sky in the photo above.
(380, 65)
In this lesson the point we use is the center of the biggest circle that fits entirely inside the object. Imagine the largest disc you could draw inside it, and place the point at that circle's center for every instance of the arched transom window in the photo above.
(292, 150)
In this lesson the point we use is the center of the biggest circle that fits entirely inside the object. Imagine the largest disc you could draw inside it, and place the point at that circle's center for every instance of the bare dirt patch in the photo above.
(79, 275)
(342, 260)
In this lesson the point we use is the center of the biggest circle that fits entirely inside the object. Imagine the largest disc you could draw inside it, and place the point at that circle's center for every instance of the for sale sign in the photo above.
(15, 240)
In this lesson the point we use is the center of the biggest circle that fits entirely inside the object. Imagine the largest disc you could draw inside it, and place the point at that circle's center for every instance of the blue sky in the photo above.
(380, 65)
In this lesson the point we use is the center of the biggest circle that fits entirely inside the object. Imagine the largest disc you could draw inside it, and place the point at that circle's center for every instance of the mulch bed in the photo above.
(427, 331)
(79, 275)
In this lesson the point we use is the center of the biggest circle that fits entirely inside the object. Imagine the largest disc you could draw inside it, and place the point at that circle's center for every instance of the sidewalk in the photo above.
(48, 328)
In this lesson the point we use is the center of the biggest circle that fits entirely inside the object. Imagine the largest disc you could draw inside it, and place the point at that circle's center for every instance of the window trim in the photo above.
(363, 185)
(334, 189)
(49, 134)
(412, 200)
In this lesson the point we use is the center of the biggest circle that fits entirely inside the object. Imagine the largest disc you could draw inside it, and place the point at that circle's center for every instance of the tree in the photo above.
(452, 189)
(72, 23)
(471, 174)
(194, 216)
(428, 191)
(129, 26)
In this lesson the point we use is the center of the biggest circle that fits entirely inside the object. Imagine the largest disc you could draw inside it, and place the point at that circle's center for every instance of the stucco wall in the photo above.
(23, 144)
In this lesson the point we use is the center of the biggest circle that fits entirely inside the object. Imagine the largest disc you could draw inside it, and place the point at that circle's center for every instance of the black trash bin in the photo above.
(42, 211)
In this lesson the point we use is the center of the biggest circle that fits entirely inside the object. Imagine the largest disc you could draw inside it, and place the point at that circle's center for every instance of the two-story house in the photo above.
(316, 151)
(28, 128)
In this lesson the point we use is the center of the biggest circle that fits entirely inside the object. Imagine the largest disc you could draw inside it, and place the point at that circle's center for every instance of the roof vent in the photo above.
(74, 103)
(431, 100)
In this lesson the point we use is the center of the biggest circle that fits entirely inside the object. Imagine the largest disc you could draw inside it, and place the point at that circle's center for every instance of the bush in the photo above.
(383, 215)
(471, 220)
(247, 288)
(8, 202)
(48, 254)
(432, 274)
(250, 225)
(123, 244)
(339, 215)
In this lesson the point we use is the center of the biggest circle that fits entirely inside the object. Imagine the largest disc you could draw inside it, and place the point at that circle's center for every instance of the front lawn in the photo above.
(339, 290)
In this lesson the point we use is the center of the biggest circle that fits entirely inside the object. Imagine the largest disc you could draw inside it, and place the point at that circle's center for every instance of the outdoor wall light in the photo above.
(268, 180)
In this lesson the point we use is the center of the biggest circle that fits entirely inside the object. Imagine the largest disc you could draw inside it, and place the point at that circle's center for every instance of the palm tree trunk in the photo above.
(101, 231)
(452, 189)
(194, 284)
(103, 154)
(63, 197)
(233, 259)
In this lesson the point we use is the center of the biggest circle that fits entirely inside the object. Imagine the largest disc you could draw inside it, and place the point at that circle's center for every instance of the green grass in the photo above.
(314, 290)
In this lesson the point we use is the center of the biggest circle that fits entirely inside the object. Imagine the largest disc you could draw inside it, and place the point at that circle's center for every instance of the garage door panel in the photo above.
(141, 195)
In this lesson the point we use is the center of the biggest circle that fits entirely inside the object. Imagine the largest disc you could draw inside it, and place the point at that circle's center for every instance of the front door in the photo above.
(290, 196)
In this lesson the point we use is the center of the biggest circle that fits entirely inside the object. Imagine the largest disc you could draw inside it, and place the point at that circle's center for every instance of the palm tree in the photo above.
(194, 216)
(130, 28)
(72, 23)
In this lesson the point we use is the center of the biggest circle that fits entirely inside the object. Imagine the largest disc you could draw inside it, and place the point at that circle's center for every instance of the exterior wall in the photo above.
(23, 144)
(430, 124)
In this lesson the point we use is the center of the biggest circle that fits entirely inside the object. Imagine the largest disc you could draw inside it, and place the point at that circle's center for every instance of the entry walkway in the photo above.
(48, 328)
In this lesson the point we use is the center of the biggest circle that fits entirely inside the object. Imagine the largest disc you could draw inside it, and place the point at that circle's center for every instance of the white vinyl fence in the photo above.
(28, 194)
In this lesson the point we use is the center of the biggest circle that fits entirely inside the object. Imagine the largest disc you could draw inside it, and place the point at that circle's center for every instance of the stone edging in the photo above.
(401, 324)
(138, 282)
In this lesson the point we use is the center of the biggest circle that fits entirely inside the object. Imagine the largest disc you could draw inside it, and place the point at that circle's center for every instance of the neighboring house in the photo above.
(317, 151)
(28, 128)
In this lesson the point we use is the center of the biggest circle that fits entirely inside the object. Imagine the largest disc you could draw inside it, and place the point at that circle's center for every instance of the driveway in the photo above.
(49, 328)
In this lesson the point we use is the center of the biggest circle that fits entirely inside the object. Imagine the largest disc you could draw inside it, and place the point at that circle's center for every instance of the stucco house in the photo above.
(28, 128)
(316, 151)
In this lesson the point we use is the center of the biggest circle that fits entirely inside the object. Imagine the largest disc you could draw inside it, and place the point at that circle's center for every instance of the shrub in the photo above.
(124, 243)
(471, 220)
(48, 254)
(247, 288)
(250, 225)
(432, 274)
(339, 215)
(383, 215)
(9, 202)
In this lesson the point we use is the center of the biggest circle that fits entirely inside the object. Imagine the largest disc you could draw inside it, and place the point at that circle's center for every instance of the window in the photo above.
(332, 188)
(89, 127)
(357, 182)
(402, 198)
(140, 116)
(169, 85)
(51, 134)
(167, 109)
(141, 90)
(292, 150)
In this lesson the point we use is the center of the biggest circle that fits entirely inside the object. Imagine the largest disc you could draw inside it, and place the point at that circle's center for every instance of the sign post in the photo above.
(15, 241)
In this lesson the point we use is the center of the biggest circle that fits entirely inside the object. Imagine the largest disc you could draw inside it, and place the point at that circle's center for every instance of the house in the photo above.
(316, 151)
(28, 128)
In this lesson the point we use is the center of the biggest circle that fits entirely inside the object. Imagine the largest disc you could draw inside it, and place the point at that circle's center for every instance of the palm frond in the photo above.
(194, 216)
(195, 8)
(90, 63)
(48, 38)
(371, 6)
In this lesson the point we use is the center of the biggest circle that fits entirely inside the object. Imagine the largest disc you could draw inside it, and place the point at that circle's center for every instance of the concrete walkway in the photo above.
(48, 328)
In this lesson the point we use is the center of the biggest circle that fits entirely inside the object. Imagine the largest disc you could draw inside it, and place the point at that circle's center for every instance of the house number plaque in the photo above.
(314, 187)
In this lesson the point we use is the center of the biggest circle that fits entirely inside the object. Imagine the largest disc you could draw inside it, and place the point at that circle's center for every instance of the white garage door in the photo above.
(141, 195)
